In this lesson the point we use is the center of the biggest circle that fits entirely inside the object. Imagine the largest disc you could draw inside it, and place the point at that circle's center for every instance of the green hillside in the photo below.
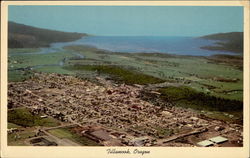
(23, 36)
(232, 41)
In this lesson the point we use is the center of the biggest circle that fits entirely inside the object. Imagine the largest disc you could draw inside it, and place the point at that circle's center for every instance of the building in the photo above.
(218, 139)
(212, 141)
(205, 143)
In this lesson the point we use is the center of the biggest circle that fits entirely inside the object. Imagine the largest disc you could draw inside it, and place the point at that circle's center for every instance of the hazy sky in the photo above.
(135, 20)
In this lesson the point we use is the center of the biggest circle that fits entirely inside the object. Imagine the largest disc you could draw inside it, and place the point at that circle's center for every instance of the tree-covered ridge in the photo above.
(24, 36)
(232, 41)
(189, 97)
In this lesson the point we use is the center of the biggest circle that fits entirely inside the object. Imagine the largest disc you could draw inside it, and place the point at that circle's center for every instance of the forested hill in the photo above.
(24, 36)
(232, 41)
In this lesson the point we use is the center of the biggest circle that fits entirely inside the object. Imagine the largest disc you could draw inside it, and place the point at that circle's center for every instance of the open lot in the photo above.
(68, 133)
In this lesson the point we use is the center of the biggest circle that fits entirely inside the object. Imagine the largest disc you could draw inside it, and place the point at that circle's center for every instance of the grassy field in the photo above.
(20, 66)
(12, 125)
(23, 50)
(29, 60)
(69, 134)
(18, 138)
(23, 117)
(15, 139)
(26, 123)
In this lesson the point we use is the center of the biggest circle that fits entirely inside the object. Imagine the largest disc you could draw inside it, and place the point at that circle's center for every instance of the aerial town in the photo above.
(107, 113)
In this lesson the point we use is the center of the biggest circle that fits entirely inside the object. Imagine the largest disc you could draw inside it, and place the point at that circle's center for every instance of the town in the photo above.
(114, 114)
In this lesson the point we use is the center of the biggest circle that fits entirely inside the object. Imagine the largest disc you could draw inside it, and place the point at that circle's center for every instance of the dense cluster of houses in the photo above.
(114, 106)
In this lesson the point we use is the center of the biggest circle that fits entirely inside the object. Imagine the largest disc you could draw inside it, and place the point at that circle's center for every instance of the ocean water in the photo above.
(149, 44)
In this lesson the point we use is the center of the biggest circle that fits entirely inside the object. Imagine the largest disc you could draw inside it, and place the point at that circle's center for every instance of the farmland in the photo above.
(163, 85)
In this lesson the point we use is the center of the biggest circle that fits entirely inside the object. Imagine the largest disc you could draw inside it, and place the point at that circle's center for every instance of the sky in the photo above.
(132, 20)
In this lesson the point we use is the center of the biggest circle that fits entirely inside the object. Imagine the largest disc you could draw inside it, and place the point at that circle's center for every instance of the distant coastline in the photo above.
(24, 36)
(232, 41)
(175, 45)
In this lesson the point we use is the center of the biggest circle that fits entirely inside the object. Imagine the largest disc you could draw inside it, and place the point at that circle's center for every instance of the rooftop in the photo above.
(101, 134)
(205, 143)
(218, 139)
